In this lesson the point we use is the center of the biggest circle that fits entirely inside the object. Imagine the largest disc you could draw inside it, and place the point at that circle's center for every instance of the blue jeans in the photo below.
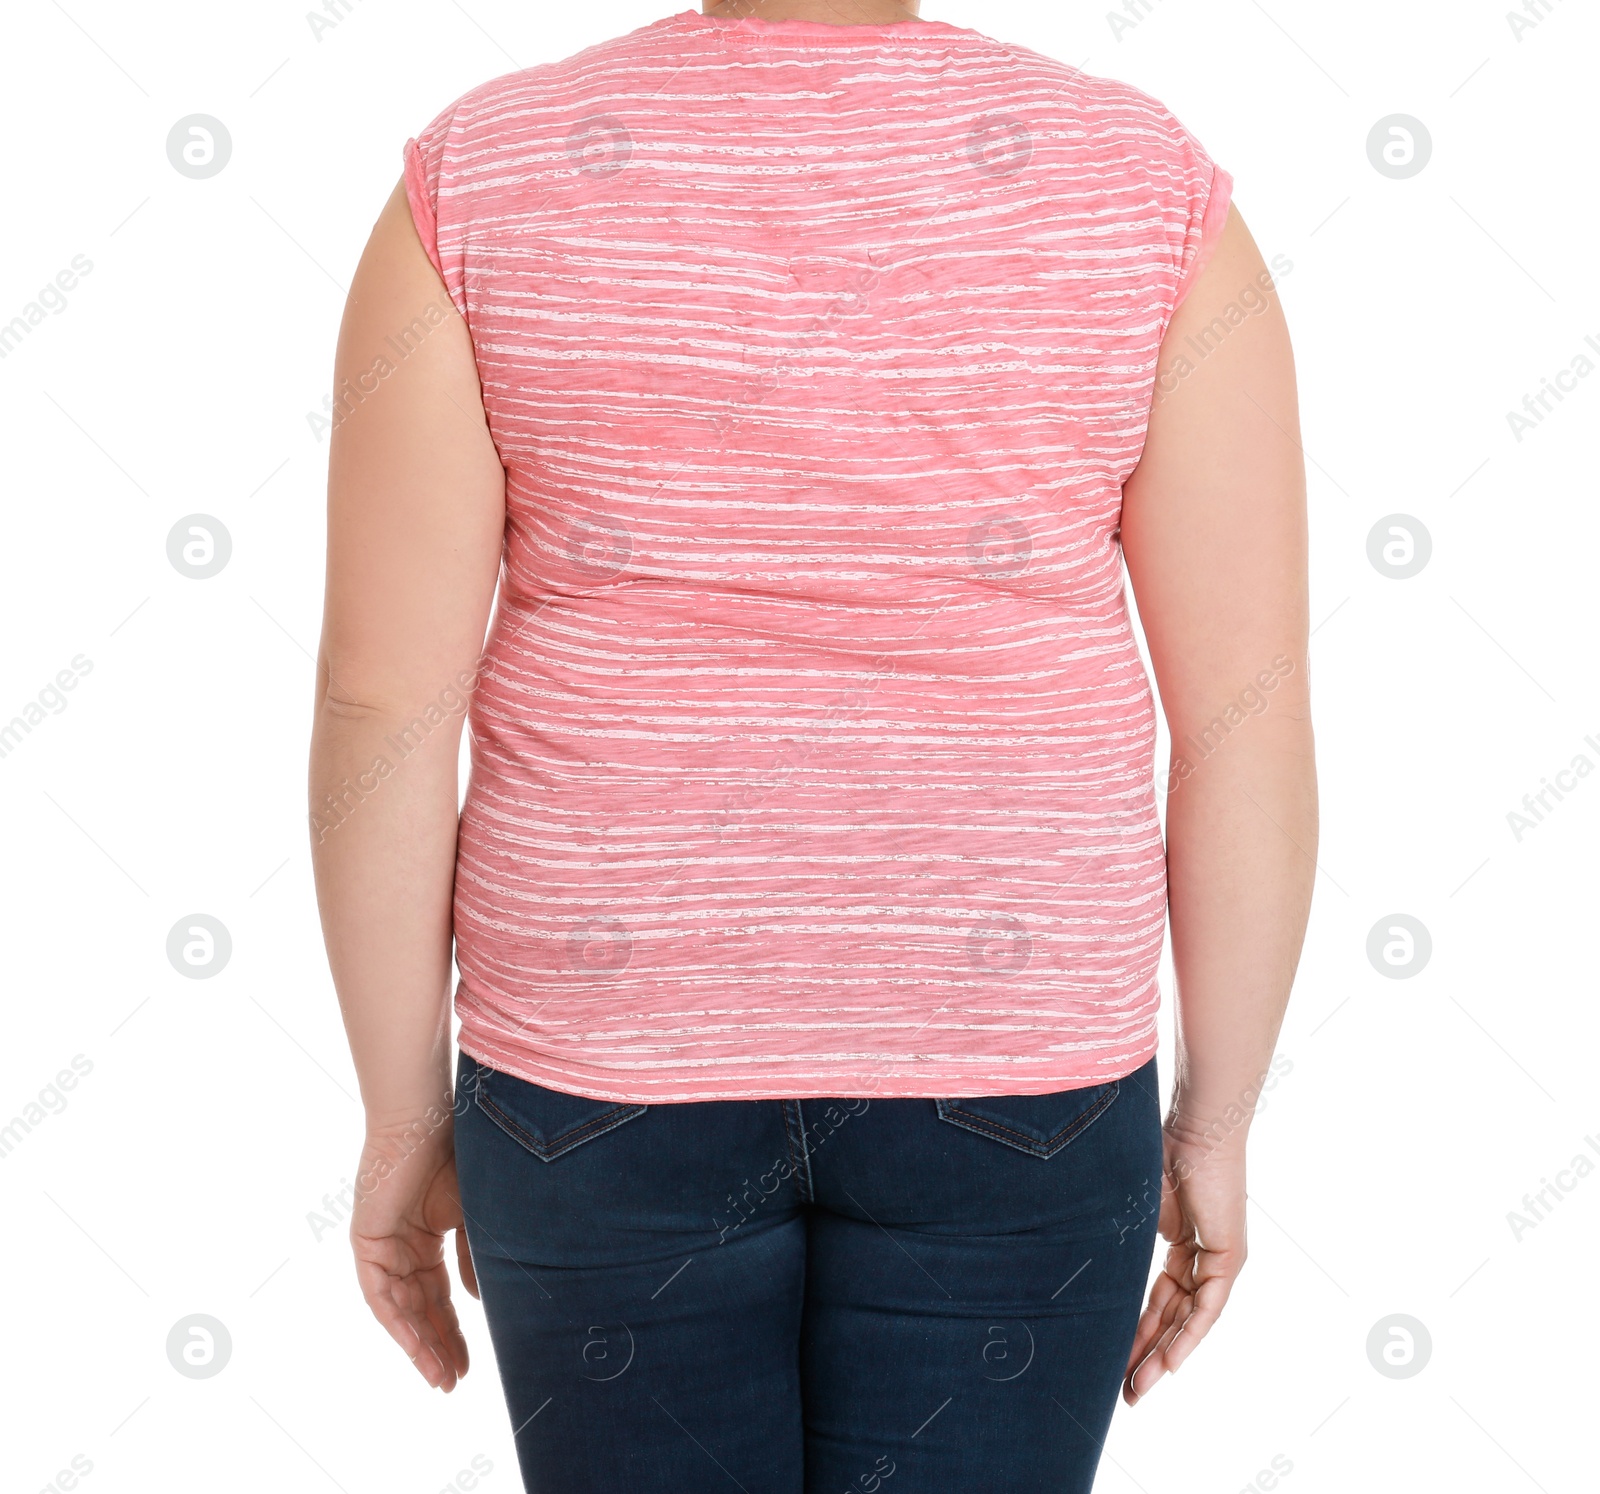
(831, 1296)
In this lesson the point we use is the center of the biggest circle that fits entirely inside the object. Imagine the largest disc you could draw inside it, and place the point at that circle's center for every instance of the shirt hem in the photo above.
(692, 1087)
(422, 215)
(1215, 220)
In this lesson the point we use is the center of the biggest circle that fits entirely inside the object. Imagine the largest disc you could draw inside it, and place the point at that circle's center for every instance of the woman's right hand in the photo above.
(1203, 1221)
(407, 1198)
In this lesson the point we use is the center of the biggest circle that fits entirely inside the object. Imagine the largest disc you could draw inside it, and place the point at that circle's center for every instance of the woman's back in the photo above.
(803, 388)
(812, 748)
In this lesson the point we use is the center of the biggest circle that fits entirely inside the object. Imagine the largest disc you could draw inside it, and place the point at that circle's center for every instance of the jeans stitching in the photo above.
(794, 1123)
(994, 1129)
(547, 1152)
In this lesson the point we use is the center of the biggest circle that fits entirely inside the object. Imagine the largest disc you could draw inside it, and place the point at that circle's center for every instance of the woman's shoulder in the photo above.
(492, 105)
(1103, 105)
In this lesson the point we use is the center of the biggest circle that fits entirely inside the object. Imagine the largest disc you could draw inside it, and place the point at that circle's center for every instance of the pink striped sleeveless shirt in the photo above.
(812, 751)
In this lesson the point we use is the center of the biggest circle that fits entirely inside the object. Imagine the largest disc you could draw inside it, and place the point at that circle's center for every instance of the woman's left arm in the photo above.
(1214, 533)
(416, 515)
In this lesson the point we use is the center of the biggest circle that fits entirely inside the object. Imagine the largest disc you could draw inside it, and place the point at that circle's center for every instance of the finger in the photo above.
(1170, 1222)
(1179, 1268)
(1148, 1328)
(376, 1288)
(1142, 1345)
(1139, 1381)
(1181, 1258)
(433, 1368)
(1158, 1334)
(465, 1264)
(1211, 1298)
(1171, 1325)
(440, 1330)
(1154, 1365)
(1174, 1302)
(1152, 1321)
(1201, 1309)
(441, 1206)
(442, 1316)
(399, 1305)
(1165, 1291)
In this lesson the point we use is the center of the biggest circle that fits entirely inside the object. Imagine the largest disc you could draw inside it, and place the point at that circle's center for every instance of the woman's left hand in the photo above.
(1203, 1221)
(407, 1198)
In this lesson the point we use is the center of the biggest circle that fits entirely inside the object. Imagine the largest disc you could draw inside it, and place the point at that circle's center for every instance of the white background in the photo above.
(178, 379)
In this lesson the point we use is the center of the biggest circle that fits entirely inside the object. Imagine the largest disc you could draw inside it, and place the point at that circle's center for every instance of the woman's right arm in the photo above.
(1215, 535)
(416, 513)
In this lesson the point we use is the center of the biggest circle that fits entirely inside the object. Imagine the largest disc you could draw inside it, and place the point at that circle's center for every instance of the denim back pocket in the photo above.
(1037, 1124)
(548, 1122)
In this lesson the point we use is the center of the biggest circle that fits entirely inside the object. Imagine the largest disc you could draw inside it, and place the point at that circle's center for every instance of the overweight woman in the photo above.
(744, 424)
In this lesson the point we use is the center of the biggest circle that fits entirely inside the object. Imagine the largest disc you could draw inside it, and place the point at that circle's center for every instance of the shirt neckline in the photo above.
(755, 28)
